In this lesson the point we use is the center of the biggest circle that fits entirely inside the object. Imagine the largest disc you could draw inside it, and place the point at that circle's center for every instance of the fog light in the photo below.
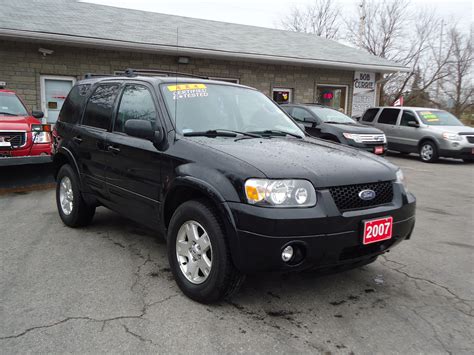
(287, 253)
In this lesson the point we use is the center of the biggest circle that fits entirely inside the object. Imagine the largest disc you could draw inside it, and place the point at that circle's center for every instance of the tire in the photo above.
(72, 208)
(428, 152)
(222, 279)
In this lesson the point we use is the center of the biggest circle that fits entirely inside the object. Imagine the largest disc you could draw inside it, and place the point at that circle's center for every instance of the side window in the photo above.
(299, 114)
(370, 114)
(72, 107)
(137, 104)
(100, 106)
(407, 116)
(389, 116)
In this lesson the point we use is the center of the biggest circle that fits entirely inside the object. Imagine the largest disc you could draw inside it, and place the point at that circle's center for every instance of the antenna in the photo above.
(176, 86)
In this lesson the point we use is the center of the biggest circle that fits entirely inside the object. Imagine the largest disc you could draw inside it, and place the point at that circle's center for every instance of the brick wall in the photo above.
(21, 66)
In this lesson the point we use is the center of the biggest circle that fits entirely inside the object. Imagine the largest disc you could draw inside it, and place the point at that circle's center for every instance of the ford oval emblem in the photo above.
(367, 195)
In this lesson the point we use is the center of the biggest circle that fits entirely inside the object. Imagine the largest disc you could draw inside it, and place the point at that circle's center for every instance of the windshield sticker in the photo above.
(188, 91)
(429, 116)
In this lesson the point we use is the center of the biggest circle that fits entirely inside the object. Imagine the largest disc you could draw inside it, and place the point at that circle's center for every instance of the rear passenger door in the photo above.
(134, 164)
(89, 138)
(387, 121)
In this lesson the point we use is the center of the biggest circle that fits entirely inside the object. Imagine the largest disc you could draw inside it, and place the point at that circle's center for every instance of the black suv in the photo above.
(327, 123)
(227, 176)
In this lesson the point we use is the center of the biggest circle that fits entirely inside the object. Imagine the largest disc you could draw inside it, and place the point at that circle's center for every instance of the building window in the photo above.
(227, 80)
(333, 96)
(282, 95)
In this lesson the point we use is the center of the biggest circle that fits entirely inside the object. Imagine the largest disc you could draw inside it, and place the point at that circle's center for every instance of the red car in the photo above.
(23, 139)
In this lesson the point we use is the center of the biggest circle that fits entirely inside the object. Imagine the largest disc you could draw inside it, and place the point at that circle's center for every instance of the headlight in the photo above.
(41, 137)
(451, 136)
(280, 193)
(355, 137)
(401, 179)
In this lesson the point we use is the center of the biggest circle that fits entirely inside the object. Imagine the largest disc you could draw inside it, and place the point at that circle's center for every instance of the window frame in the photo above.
(389, 108)
(150, 89)
(93, 89)
(401, 116)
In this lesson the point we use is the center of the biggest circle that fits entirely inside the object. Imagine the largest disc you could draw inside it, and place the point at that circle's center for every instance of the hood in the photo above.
(323, 163)
(453, 129)
(17, 123)
(354, 128)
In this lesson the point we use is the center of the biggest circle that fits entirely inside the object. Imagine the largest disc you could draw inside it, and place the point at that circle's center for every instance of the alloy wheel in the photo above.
(194, 252)
(66, 195)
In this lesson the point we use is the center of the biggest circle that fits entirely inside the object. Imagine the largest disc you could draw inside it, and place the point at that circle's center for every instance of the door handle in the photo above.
(113, 149)
(77, 139)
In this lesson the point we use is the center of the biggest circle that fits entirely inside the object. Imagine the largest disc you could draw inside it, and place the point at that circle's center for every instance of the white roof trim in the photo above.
(198, 52)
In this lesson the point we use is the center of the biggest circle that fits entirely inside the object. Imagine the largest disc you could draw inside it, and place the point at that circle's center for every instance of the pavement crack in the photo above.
(136, 335)
(431, 282)
(433, 329)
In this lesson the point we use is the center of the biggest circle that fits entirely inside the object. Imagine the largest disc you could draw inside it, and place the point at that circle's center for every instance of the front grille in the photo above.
(16, 139)
(372, 138)
(470, 139)
(347, 197)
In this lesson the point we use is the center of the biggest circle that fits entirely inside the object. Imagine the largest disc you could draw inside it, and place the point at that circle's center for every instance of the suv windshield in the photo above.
(326, 114)
(10, 105)
(438, 118)
(201, 107)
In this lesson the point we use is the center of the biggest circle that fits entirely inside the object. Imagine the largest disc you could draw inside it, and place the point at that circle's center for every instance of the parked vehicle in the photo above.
(227, 177)
(330, 124)
(23, 139)
(429, 132)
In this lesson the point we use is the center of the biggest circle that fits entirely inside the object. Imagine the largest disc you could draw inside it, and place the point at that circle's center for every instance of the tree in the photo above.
(320, 17)
(458, 83)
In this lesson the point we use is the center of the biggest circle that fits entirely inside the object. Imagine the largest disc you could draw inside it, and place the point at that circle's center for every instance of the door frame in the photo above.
(346, 101)
(43, 79)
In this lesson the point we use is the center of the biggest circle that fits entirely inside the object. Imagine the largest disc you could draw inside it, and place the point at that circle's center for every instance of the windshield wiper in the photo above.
(8, 113)
(276, 132)
(220, 133)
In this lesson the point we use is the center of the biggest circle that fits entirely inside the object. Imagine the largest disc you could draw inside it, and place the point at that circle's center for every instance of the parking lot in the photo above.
(108, 288)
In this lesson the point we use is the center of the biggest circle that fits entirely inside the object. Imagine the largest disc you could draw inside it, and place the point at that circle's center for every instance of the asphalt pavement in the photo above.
(108, 288)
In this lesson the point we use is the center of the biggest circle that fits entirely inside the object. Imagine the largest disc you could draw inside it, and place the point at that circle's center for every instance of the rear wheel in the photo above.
(428, 152)
(199, 255)
(72, 208)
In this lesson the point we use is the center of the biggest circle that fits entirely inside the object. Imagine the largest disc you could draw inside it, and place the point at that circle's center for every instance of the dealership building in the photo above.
(46, 46)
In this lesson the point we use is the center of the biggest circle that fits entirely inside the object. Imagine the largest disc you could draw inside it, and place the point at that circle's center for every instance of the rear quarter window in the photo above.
(370, 114)
(74, 104)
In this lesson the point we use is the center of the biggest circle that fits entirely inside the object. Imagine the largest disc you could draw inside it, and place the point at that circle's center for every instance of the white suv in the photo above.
(430, 132)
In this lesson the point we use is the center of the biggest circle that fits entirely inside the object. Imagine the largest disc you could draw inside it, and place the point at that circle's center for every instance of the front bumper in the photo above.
(369, 147)
(328, 238)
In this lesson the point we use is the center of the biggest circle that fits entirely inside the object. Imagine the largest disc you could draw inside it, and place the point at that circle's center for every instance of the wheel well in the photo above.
(427, 140)
(59, 160)
(177, 197)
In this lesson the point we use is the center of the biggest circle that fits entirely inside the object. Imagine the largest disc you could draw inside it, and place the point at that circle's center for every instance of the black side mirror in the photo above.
(140, 128)
(309, 119)
(37, 114)
(413, 124)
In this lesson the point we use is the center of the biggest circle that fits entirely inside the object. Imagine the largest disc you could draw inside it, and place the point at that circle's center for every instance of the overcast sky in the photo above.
(266, 13)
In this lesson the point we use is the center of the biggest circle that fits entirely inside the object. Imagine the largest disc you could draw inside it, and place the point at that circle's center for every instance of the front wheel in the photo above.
(199, 255)
(72, 208)
(428, 152)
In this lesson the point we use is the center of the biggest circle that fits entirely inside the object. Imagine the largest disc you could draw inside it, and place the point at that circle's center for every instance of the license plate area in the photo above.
(376, 230)
(378, 150)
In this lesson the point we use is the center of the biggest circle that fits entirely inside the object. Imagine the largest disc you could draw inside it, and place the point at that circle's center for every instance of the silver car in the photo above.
(432, 133)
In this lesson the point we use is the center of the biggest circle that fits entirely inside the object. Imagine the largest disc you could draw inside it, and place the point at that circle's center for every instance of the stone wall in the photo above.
(21, 66)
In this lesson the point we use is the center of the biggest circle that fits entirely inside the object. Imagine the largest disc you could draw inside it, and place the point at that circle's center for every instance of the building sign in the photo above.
(364, 92)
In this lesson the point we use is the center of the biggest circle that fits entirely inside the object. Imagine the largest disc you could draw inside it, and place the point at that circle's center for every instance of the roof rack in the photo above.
(134, 72)
(94, 75)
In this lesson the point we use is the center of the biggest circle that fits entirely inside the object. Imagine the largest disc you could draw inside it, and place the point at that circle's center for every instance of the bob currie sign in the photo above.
(364, 92)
